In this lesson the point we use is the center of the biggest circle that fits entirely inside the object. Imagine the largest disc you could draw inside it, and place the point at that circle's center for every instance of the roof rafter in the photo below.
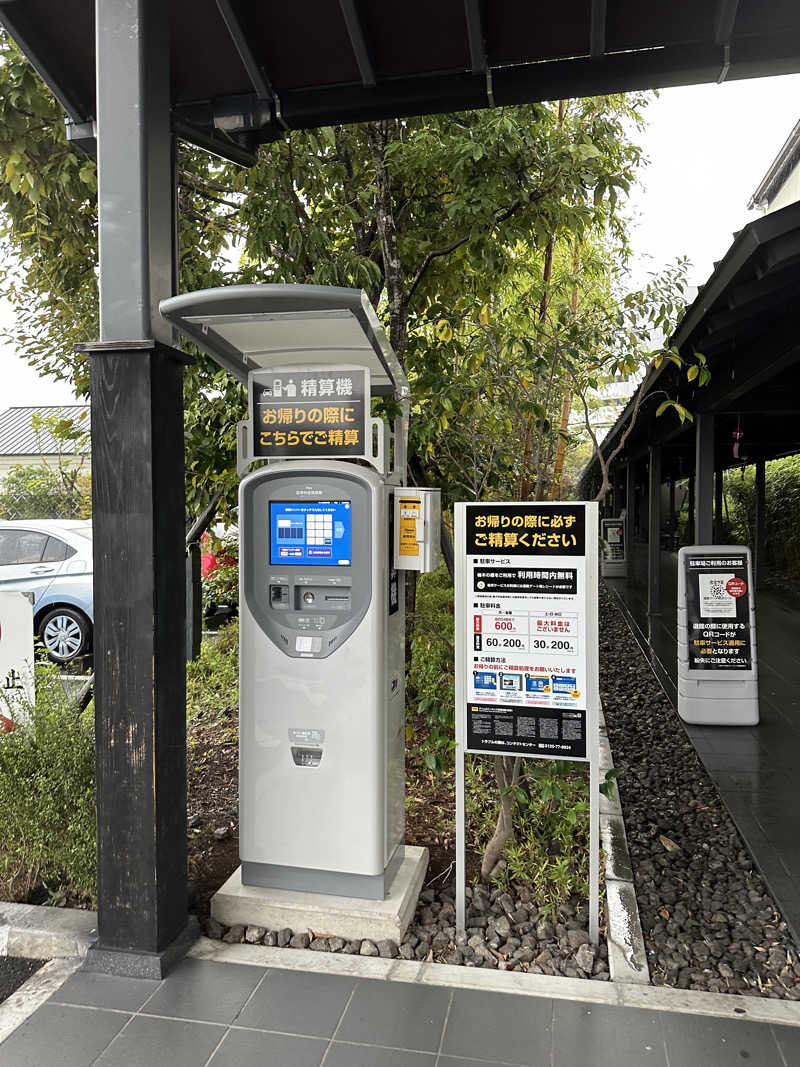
(249, 62)
(597, 29)
(358, 41)
(477, 45)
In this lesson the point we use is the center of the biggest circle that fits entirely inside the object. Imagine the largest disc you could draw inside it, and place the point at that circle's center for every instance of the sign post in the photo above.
(717, 661)
(527, 679)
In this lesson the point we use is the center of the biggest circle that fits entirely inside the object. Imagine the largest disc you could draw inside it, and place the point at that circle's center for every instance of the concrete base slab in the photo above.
(347, 917)
(123, 964)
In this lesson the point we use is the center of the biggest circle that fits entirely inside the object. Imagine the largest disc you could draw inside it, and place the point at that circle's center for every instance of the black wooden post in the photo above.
(718, 506)
(704, 479)
(140, 681)
(194, 601)
(138, 504)
(654, 533)
(760, 567)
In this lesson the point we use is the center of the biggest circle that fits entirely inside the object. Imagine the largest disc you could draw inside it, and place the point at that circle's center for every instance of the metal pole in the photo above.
(593, 716)
(459, 519)
(594, 847)
(704, 480)
(461, 874)
(654, 533)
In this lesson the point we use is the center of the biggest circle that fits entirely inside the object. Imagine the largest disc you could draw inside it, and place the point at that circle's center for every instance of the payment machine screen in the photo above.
(316, 533)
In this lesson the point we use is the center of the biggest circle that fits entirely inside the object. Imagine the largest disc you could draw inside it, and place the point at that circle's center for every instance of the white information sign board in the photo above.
(16, 657)
(526, 643)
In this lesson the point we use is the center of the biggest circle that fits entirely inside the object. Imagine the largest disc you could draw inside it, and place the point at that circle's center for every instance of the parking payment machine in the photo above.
(322, 562)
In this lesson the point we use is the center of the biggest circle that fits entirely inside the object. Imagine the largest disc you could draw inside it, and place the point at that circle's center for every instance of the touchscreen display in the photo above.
(314, 533)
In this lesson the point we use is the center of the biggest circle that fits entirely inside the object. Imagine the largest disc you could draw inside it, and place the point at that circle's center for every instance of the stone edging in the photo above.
(39, 932)
(619, 994)
(627, 956)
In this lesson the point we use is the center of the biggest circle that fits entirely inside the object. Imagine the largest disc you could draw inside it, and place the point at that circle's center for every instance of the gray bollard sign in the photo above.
(717, 660)
(526, 643)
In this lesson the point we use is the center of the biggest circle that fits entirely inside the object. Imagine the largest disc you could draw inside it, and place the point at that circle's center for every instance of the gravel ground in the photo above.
(14, 971)
(709, 921)
(504, 932)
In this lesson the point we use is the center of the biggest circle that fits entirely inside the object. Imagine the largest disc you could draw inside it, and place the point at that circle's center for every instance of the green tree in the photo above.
(55, 488)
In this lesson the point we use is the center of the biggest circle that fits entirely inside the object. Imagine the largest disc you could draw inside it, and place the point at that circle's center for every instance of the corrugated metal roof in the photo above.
(18, 437)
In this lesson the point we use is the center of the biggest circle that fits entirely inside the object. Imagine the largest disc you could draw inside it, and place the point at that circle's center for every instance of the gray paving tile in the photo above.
(694, 1040)
(105, 991)
(204, 990)
(396, 1014)
(296, 1002)
(497, 1026)
(146, 1042)
(585, 1034)
(59, 1035)
(254, 1048)
(456, 1061)
(370, 1056)
(788, 1038)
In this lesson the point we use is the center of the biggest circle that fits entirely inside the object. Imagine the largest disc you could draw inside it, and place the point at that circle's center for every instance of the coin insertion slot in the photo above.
(319, 598)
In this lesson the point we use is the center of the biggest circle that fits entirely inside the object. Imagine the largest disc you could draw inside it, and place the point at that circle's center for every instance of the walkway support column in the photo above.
(760, 523)
(630, 509)
(704, 480)
(654, 533)
(138, 508)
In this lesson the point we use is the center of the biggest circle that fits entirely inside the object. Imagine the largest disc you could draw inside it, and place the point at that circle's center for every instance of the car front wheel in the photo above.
(65, 634)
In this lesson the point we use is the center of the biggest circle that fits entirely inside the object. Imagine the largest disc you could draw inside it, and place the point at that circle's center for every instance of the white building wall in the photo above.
(789, 192)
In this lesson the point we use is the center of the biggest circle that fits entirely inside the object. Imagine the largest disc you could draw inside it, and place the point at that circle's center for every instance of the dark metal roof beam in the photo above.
(477, 46)
(597, 30)
(724, 20)
(358, 42)
(239, 38)
(225, 149)
(14, 22)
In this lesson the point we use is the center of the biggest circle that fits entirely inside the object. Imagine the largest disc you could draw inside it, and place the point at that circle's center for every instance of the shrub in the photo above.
(431, 696)
(549, 850)
(47, 797)
(221, 582)
(212, 680)
(36, 491)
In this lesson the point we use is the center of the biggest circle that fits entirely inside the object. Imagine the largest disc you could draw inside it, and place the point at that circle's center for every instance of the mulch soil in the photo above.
(14, 971)
(708, 919)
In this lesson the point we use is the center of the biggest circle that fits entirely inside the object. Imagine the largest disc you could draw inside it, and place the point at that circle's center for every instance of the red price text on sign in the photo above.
(736, 586)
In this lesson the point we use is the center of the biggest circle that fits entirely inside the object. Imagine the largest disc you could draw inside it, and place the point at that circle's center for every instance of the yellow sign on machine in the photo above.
(410, 515)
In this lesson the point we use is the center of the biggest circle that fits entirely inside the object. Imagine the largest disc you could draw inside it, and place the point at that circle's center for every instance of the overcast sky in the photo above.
(709, 146)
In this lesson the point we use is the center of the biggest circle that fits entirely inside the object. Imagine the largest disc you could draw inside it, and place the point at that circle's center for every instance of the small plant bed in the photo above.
(708, 919)
(14, 971)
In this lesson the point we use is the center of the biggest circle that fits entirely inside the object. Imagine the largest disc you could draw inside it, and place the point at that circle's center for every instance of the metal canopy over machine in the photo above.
(260, 327)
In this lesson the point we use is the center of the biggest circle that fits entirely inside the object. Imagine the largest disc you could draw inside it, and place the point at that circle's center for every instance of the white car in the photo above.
(52, 558)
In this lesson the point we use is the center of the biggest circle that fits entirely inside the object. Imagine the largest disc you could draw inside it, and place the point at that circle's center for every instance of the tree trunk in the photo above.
(378, 137)
(561, 450)
(506, 771)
